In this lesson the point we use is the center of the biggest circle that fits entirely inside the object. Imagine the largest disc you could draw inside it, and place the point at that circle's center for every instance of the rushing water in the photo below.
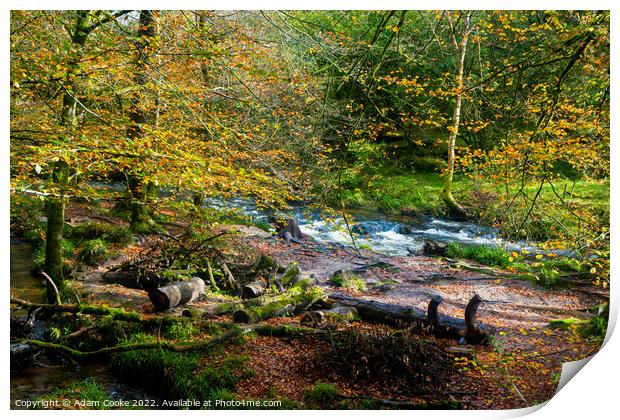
(386, 234)
(389, 235)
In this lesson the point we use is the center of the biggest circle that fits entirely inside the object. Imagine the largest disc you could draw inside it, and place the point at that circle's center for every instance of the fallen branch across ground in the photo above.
(163, 345)
(116, 314)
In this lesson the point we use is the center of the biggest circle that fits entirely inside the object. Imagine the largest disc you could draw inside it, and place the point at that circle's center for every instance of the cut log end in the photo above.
(176, 294)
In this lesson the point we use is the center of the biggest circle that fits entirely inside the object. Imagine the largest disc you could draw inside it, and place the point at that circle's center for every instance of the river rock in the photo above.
(432, 247)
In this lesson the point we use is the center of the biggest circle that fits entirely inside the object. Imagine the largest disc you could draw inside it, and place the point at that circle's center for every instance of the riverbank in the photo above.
(399, 191)
(526, 356)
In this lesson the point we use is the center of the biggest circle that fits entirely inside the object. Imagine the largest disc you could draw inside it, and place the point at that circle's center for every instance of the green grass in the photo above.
(484, 254)
(393, 190)
(396, 190)
(179, 375)
(321, 395)
(94, 251)
(88, 390)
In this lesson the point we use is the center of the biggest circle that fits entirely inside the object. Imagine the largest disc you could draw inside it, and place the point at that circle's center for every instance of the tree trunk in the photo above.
(176, 294)
(55, 225)
(60, 175)
(142, 113)
(453, 206)
(141, 194)
(288, 230)
(283, 305)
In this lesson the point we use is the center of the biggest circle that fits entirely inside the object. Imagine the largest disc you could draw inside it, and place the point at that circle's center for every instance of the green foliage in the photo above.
(38, 256)
(348, 280)
(181, 331)
(113, 234)
(93, 251)
(484, 254)
(322, 395)
(597, 327)
(547, 273)
(547, 276)
(178, 374)
(25, 216)
(88, 390)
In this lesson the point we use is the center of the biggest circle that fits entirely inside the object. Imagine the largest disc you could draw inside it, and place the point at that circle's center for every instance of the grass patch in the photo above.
(94, 251)
(393, 189)
(179, 375)
(483, 254)
(77, 393)
(322, 395)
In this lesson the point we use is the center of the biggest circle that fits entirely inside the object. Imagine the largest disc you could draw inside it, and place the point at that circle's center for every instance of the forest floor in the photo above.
(522, 367)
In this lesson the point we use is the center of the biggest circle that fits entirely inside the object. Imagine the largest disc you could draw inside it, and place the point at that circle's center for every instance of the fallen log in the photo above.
(291, 275)
(283, 305)
(161, 345)
(210, 310)
(473, 332)
(255, 289)
(416, 320)
(330, 317)
(374, 311)
(176, 294)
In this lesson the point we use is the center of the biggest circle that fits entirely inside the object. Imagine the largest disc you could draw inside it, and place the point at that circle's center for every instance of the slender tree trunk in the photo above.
(453, 206)
(140, 115)
(198, 197)
(55, 225)
(60, 176)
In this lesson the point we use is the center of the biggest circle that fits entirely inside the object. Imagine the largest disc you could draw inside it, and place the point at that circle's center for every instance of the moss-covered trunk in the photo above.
(55, 225)
(142, 113)
(60, 175)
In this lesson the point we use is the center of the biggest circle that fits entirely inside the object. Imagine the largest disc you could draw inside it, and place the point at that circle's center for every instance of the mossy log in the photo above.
(416, 320)
(330, 317)
(288, 304)
(292, 274)
(177, 293)
(265, 269)
(162, 345)
(211, 310)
